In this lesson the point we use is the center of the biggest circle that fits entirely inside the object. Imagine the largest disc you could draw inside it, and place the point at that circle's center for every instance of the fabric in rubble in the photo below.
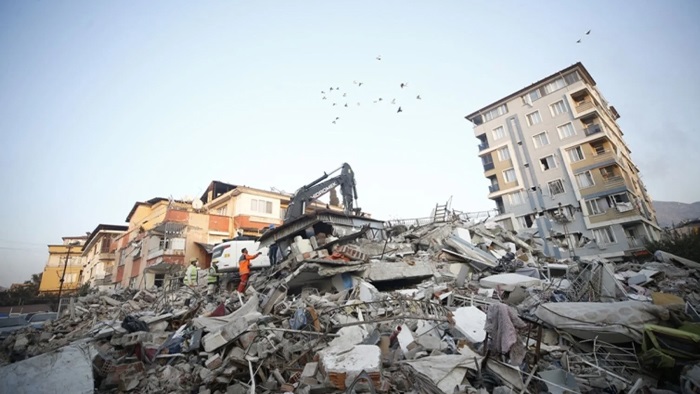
(502, 323)
(133, 324)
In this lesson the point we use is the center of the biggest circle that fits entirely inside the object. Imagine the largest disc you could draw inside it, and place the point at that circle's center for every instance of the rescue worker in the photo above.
(213, 280)
(244, 268)
(190, 278)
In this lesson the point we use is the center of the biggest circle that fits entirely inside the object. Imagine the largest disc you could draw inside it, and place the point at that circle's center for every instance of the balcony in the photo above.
(494, 188)
(483, 146)
(584, 105)
(488, 166)
(593, 129)
(615, 180)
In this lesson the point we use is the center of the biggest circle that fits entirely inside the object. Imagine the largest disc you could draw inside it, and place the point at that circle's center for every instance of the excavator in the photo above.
(308, 193)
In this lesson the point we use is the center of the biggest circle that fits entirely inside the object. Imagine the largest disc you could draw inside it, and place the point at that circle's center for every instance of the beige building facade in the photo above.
(557, 164)
(98, 255)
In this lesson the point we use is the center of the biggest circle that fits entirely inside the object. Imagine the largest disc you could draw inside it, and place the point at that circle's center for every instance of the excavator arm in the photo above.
(319, 187)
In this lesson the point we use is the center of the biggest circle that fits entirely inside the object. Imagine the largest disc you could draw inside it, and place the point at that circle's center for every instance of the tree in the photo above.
(683, 245)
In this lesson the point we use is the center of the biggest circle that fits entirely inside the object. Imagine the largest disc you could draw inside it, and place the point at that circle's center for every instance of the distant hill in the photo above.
(669, 213)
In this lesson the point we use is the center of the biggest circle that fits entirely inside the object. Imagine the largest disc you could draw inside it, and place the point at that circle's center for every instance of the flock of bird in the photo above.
(337, 99)
(579, 40)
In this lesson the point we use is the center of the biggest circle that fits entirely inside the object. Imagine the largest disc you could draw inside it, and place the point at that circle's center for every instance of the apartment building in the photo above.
(65, 262)
(558, 165)
(98, 255)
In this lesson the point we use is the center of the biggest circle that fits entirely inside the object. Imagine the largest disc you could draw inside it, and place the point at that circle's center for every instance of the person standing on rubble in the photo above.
(190, 278)
(244, 268)
(213, 280)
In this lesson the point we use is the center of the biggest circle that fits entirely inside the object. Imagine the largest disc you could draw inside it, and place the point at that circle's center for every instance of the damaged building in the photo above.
(558, 165)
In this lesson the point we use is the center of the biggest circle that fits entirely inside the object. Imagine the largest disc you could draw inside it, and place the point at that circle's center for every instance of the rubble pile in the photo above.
(450, 307)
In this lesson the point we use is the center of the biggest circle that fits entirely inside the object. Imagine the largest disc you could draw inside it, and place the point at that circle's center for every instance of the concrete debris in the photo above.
(418, 307)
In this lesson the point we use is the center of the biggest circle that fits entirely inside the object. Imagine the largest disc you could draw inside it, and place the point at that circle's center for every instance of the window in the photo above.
(509, 175)
(516, 198)
(222, 211)
(498, 133)
(617, 199)
(608, 172)
(503, 154)
(558, 108)
(604, 235)
(534, 118)
(261, 206)
(534, 95)
(554, 85)
(598, 148)
(572, 77)
(548, 162)
(540, 139)
(556, 187)
(576, 154)
(566, 131)
(496, 112)
(106, 242)
(593, 207)
(584, 179)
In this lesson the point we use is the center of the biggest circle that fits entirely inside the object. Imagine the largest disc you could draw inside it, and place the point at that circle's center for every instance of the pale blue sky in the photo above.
(106, 103)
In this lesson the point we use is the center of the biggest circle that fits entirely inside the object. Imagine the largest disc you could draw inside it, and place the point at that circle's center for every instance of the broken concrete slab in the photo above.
(411, 268)
(342, 366)
(470, 322)
(444, 371)
(66, 370)
(508, 282)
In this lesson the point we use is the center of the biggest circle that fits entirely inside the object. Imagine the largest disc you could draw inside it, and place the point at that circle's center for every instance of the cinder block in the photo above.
(214, 362)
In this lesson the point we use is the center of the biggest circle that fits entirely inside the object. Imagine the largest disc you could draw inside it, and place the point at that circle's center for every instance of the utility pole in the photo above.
(65, 266)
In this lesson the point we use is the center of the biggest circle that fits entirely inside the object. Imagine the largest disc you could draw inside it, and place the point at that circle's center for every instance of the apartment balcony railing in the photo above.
(616, 180)
(494, 188)
(584, 105)
(488, 166)
(483, 146)
(593, 129)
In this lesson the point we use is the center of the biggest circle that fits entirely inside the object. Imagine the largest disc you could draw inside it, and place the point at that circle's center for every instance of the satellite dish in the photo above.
(197, 204)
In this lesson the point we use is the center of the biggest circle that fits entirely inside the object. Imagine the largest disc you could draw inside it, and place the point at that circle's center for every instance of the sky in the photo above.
(103, 104)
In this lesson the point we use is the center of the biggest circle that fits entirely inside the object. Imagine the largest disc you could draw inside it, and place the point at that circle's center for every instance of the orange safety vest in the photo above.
(244, 263)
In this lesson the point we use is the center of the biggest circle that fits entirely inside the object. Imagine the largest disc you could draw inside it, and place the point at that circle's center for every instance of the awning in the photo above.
(170, 228)
(207, 247)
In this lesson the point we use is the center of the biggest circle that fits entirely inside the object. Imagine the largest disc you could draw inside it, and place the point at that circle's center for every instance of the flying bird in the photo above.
(393, 101)
(579, 41)
(334, 104)
(375, 101)
(358, 103)
(400, 110)
(403, 85)
(322, 92)
(331, 89)
(418, 97)
(346, 105)
(324, 98)
(359, 84)
(345, 94)
(588, 32)
(379, 57)
(380, 99)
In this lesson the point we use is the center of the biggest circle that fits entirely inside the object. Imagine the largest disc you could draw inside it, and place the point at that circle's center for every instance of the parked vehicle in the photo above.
(39, 319)
(8, 325)
(226, 255)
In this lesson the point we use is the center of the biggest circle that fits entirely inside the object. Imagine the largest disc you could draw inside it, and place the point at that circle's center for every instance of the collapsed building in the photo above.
(451, 304)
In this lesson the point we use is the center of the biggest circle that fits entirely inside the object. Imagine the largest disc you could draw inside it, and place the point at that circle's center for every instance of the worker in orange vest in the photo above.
(244, 268)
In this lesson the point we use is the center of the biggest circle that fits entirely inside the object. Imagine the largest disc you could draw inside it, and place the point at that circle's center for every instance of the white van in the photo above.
(226, 255)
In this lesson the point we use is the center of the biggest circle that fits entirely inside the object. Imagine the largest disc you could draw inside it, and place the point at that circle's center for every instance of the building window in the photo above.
(548, 162)
(593, 207)
(566, 131)
(509, 175)
(604, 235)
(534, 118)
(540, 139)
(618, 199)
(261, 206)
(556, 187)
(503, 154)
(516, 198)
(576, 154)
(222, 211)
(598, 148)
(498, 133)
(608, 173)
(496, 112)
(558, 108)
(106, 243)
(554, 85)
(584, 180)
(572, 77)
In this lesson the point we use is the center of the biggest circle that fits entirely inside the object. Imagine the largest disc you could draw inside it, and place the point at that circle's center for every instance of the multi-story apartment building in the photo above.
(557, 164)
(98, 255)
(65, 262)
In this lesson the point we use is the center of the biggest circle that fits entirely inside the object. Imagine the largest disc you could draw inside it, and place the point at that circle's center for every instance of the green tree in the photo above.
(683, 245)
